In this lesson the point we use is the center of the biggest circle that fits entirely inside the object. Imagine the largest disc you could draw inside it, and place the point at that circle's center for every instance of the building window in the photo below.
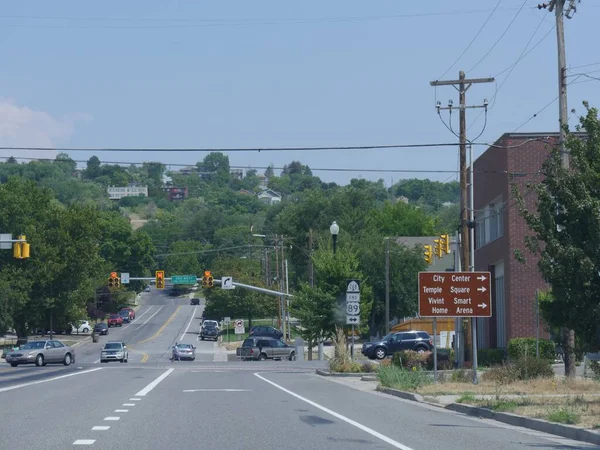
(489, 224)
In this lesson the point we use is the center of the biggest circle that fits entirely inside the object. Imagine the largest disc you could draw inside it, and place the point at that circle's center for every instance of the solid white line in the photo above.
(84, 441)
(48, 379)
(111, 418)
(157, 311)
(121, 410)
(339, 416)
(135, 399)
(189, 323)
(152, 385)
(100, 428)
(217, 390)
(128, 404)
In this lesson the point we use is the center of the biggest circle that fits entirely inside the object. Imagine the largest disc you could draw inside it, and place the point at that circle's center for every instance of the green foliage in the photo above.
(565, 225)
(522, 369)
(316, 309)
(405, 380)
(488, 357)
(519, 347)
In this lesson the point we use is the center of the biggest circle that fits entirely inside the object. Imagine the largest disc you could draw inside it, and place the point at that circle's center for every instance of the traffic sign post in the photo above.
(226, 322)
(455, 294)
(183, 279)
(239, 327)
(352, 307)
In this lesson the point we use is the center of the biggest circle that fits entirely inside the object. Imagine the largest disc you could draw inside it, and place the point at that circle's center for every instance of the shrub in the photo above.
(595, 368)
(407, 359)
(524, 368)
(526, 346)
(396, 377)
(368, 367)
(489, 357)
(346, 367)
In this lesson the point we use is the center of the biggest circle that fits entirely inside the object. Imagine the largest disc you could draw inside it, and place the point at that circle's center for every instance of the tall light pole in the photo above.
(334, 229)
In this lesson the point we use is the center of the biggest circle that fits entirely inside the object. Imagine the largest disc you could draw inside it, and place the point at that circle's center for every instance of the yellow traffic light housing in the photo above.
(428, 254)
(210, 281)
(439, 250)
(111, 283)
(160, 279)
(445, 243)
(117, 282)
(207, 280)
(21, 249)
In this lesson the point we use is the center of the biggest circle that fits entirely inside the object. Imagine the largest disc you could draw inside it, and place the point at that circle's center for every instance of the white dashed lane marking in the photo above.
(100, 428)
(112, 418)
(84, 441)
(121, 410)
(135, 399)
(128, 404)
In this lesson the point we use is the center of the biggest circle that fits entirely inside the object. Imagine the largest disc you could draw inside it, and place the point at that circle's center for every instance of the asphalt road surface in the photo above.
(154, 403)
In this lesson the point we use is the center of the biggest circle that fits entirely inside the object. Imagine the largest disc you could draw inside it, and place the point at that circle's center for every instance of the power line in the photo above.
(500, 38)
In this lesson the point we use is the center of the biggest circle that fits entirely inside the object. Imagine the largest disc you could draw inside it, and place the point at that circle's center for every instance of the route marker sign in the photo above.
(183, 279)
(455, 294)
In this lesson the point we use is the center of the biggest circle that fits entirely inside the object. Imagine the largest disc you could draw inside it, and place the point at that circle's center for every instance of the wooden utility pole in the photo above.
(387, 285)
(278, 280)
(462, 85)
(311, 273)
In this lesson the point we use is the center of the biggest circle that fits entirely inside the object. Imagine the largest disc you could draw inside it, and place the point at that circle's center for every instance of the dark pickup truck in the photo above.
(262, 348)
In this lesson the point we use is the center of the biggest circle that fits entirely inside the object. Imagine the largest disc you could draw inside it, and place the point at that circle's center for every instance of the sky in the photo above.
(239, 74)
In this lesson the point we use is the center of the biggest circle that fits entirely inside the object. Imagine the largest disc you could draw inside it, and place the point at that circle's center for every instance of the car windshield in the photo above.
(210, 325)
(124, 313)
(114, 316)
(112, 346)
(385, 338)
(99, 325)
(33, 345)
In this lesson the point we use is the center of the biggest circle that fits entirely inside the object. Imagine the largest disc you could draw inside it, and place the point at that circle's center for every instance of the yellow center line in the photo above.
(144, 358)
(161, 329)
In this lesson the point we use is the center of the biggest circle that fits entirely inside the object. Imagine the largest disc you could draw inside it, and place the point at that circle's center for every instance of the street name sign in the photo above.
(455, 294)
(183, 279)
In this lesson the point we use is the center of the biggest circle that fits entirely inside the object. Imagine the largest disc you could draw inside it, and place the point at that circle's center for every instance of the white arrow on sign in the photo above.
(481, 289)
(481, 278)
(482, 305)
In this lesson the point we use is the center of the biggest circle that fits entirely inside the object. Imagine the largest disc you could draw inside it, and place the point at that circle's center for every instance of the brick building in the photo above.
(500, 230)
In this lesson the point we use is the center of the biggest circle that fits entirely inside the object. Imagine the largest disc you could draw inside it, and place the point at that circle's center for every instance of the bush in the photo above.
(368, 368)
(595, 368)
(489, 357)
(407, 359)
(346, 367)
(395, 377)
(519, 347)
(524, 368)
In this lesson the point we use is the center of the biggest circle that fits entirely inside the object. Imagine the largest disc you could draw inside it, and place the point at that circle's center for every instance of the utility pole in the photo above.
(311, 273)
(278, 280)
(387, 285)
(466, 207)
(267, 269)
(282, 285)
(557, 6)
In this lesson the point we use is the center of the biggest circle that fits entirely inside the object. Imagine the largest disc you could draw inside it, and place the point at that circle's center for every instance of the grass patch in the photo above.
(564, 415)
(467, 397)
(402, 379)
(501, 404)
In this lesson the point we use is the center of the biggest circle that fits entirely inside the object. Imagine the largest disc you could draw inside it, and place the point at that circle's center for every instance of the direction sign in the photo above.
(239, 327)
(352, 320)
(183, 279)
(353, 286)
(455, 294)
(124, 277)
(353, 308)
(227, 283)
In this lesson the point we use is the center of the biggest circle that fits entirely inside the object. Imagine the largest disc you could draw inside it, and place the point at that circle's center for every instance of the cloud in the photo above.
(21, 126)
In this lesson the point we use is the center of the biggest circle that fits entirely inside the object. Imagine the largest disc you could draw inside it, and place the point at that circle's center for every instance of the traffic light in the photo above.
(207, 280)
(211, 281)
(117, 282)
(112, 281)
(428, 253)
(21, 249)
(438, 250)
(445, 243)
(160, 279)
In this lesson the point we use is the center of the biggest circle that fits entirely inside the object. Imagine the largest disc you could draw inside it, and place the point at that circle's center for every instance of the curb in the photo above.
(82, 341)
(326, 373)
(557, 429)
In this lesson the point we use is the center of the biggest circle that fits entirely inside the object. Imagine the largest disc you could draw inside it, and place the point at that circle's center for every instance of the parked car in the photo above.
(261, 330)
(419, 341)
(115, 320)
(125, 317)
(83, 327)
(131, 312)
(114, 351)
(184, 351)
(101, 328)
(147, 289)
(262, 348)
(209, 331)
(41, 353)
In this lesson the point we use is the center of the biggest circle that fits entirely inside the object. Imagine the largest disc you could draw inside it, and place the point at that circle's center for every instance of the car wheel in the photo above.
(202, 337)
(262, 357)
(39, 360)
(380, 353)
(86, 330)
(67, 359)
(292, 356)
(14, 364)
(420, 350)
(122, 360)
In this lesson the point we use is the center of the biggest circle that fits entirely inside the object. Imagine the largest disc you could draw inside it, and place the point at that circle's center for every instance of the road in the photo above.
(154, 403)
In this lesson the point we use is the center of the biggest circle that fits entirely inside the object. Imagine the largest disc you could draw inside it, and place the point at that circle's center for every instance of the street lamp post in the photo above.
(334, 229)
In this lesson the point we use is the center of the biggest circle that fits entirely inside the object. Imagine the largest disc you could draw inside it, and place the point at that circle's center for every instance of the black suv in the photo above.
(419, 341)
(209, 331)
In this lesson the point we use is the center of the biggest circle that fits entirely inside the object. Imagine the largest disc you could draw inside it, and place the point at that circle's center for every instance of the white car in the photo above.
(84, 327)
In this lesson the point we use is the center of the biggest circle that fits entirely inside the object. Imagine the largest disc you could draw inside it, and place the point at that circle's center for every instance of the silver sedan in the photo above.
(184, 351)
(41, 353)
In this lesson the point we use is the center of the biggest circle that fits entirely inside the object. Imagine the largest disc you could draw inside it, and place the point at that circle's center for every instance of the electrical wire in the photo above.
(500, 38)
(472, 40)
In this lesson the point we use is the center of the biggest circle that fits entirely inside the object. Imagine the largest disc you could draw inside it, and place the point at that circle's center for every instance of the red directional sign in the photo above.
(455, 294)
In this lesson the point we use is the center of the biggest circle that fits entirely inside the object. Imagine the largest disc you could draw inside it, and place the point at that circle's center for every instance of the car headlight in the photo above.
(30, 353)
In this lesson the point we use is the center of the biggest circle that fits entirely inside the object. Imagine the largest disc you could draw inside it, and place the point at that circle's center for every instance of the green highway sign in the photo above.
(183, 279)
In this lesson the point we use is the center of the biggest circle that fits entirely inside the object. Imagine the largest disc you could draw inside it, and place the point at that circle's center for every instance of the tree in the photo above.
(565, 226)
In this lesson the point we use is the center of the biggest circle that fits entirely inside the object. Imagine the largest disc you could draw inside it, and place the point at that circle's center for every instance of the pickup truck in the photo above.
(262, 348)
